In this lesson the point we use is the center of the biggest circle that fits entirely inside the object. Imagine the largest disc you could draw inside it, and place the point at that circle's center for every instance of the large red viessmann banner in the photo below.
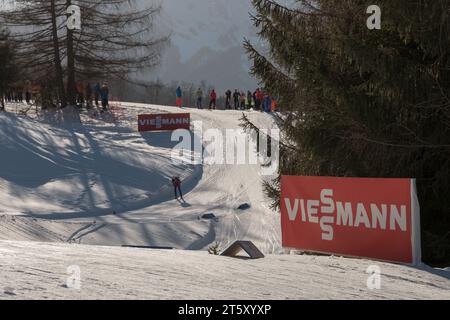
(370, 218)
(164, 122)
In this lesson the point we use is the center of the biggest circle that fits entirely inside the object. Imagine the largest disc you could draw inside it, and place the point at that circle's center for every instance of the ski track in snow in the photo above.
(85, 186)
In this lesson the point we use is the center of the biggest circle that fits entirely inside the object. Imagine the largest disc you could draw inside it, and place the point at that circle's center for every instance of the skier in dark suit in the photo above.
(176, 182)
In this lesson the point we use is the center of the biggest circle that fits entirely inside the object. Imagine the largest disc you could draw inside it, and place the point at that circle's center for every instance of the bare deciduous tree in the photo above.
(117, 38)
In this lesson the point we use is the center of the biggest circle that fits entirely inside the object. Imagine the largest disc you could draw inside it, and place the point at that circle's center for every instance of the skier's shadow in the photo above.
(184, 204)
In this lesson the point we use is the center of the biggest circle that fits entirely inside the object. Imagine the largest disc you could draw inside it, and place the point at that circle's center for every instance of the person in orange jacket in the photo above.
(274, 105)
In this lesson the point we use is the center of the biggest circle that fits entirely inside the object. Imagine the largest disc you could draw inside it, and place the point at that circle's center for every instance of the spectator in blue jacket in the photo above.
(267, 103)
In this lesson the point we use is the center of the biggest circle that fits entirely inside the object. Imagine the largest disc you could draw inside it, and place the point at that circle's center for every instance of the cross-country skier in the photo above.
(176, 182)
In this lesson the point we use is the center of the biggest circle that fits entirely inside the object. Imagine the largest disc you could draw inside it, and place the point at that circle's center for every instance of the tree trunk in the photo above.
(2, 106)
(71, 85)
(57, 57)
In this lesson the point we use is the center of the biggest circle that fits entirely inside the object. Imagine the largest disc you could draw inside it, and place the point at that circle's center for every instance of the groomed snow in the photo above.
(64, 182)
(39, 271)
(80, 191)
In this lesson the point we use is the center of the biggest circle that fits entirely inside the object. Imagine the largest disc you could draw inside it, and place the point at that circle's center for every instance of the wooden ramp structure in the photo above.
(248, 246)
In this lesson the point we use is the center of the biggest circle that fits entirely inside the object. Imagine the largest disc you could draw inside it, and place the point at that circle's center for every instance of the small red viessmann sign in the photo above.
(370, 218)
(164, 122)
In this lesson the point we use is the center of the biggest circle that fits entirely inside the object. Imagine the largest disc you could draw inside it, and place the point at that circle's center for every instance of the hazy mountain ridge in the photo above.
(206, 43)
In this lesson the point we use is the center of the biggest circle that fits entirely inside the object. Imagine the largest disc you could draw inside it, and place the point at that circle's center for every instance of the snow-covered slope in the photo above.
(66, 184)
(106, 184)
(40, 271)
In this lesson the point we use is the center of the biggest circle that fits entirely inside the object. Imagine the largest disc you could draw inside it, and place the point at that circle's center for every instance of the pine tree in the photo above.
(360, 102)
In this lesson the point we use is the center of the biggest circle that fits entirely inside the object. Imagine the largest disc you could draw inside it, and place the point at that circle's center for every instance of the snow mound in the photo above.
(40, 271)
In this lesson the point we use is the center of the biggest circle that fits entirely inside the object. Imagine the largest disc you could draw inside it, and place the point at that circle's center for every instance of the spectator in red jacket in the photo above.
(213, 99)
(258, 96)
(260, 99)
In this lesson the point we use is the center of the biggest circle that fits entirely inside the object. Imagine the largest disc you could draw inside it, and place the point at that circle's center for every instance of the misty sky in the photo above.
(206, 43)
